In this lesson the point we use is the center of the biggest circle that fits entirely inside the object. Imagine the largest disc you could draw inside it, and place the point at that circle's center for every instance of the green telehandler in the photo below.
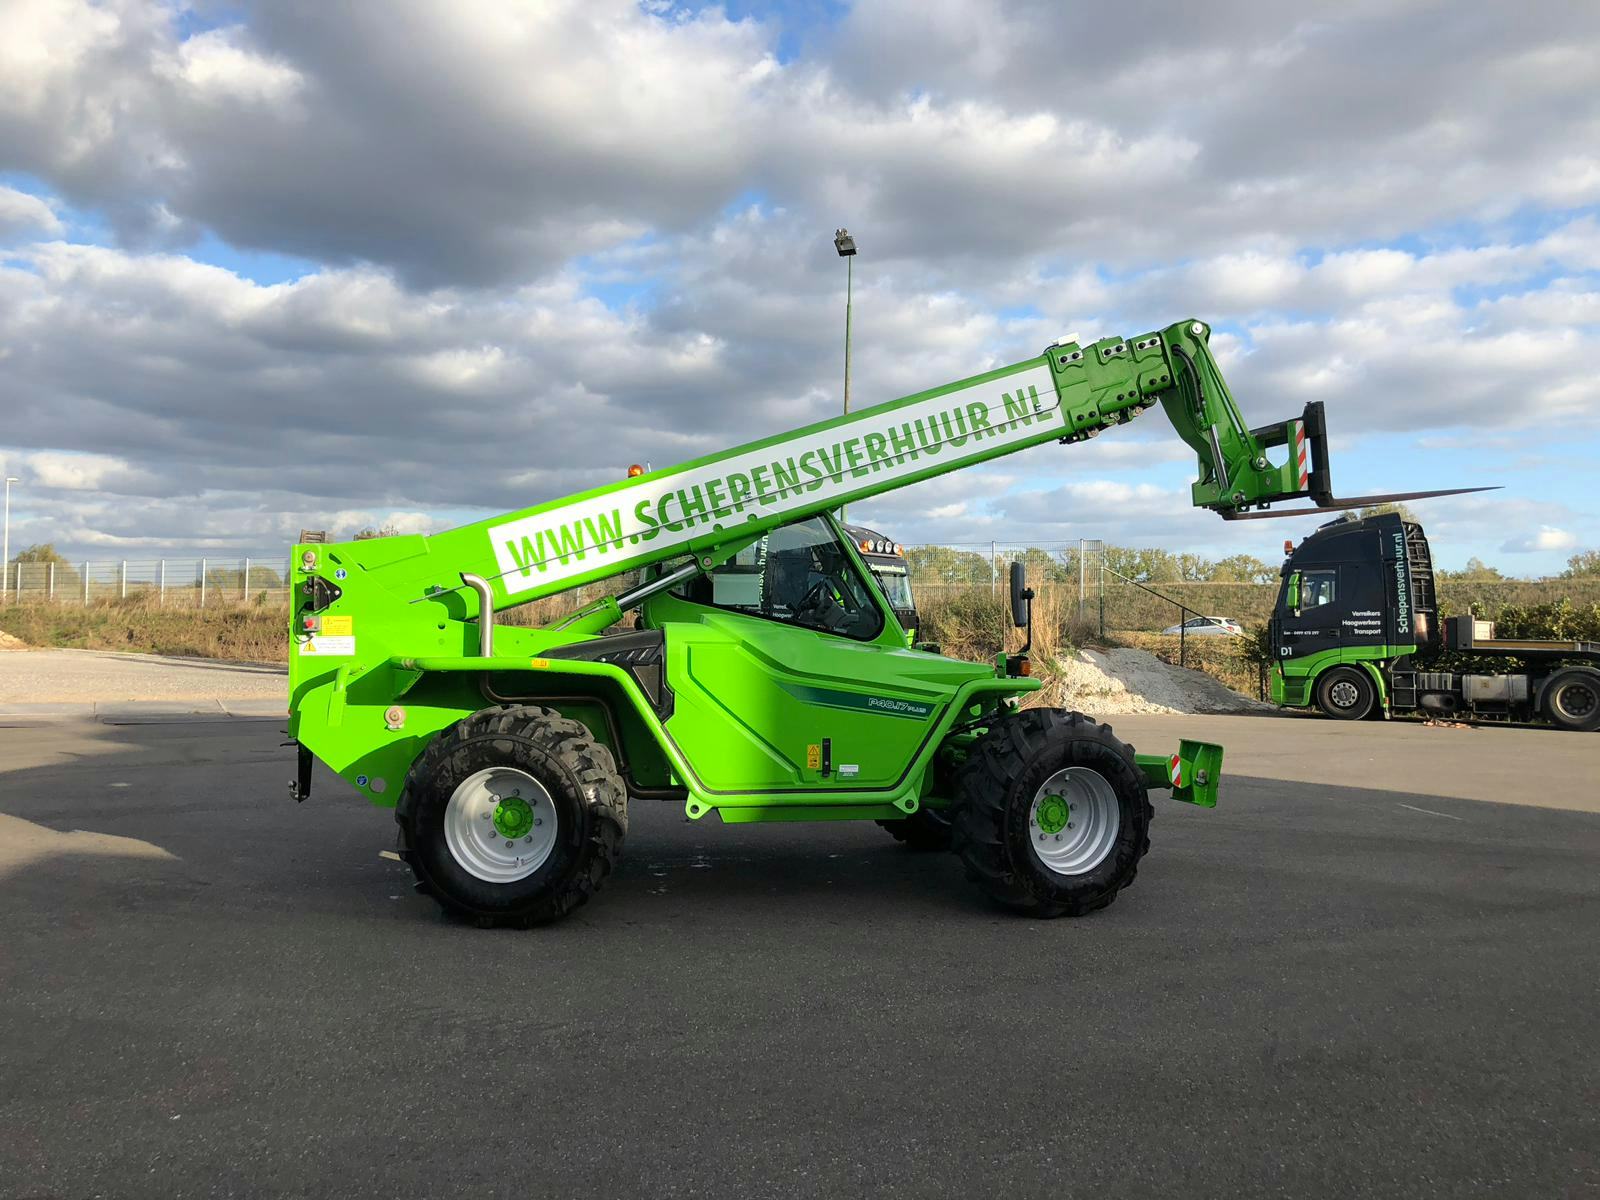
(765, 676)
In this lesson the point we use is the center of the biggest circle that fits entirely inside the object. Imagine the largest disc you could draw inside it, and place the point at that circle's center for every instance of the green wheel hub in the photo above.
(1052, 814)
(513, 817)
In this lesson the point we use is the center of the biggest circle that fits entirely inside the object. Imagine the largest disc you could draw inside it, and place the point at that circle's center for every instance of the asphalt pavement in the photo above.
(1354, 986)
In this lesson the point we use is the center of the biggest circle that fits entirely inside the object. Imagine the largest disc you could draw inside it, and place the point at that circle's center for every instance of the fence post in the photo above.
(86, 583)
(124, 579)
(245, 595)
(994, 569)
(1102, 594)
(161, 594)
(1081, 574)
(52, 579)
(202, 583)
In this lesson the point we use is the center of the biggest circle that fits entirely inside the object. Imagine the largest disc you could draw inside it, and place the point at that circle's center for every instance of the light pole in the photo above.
(846, 246)
(5, 553)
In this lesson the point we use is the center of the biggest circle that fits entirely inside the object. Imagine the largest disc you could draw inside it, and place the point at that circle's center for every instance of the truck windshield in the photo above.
(798, 574)
(896, 585)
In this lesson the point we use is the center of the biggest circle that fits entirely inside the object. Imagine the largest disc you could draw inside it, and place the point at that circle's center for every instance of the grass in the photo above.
(240, 632)
(975, 622)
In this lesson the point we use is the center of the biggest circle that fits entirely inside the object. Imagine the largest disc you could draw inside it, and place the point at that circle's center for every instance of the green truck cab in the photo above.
(1356, 632)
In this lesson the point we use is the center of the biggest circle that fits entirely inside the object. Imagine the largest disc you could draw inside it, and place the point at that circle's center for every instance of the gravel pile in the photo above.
(1124, 680)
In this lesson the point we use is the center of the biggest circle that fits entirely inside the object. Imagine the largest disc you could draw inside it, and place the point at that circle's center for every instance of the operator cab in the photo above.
(799, 574)
(887, 561)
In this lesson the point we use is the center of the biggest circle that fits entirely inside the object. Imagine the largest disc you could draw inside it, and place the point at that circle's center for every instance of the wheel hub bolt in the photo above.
(509, 845)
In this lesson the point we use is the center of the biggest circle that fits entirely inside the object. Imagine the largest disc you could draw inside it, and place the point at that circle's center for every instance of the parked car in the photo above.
(1207, 627)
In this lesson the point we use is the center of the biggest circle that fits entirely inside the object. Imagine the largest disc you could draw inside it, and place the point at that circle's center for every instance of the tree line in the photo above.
(948, 564)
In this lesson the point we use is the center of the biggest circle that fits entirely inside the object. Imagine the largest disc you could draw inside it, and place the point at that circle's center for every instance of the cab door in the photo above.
(787, 675)
(1309, 620)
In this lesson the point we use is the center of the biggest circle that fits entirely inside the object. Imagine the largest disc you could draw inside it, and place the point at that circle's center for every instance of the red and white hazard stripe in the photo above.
(1300, 455)
(1175, 771)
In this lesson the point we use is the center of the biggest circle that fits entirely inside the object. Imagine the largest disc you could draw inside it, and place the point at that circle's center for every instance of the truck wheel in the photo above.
(1346, 694)
(1051, 817)
(1572, 699)
(925, 829)
(513, 816)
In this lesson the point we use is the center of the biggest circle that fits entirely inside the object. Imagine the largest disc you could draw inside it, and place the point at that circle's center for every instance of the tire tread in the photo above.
(569, 748)
(983, 792)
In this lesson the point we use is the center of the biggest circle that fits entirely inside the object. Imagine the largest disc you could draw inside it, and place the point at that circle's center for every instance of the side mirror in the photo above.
(1021, 596)
(1291, 596)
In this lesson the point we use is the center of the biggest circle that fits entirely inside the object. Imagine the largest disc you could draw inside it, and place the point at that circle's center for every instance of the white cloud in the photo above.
(21, 212)
(1547, 537)
(84, 473)
(217, 68)
(461, 143)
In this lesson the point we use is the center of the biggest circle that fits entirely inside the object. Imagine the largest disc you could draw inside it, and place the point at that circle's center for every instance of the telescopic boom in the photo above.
(1067, 394)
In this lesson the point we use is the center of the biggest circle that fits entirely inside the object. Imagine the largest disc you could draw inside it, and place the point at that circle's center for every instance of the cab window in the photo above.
(798, 574)
(1317, 588)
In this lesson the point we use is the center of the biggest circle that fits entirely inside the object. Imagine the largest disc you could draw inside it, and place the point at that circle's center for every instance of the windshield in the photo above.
(798, 574)
(896, 585)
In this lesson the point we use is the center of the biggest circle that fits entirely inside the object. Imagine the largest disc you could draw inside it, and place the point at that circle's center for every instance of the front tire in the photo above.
(1051, 815)
(1346, 694)
(1572, 700)
(513, 816)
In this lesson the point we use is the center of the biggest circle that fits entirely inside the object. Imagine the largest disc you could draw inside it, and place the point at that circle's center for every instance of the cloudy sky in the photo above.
(300, 264)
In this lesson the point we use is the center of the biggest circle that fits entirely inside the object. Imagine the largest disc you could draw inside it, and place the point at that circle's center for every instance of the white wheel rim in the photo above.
(1344, 694)
(1073, 821)
(500, 825)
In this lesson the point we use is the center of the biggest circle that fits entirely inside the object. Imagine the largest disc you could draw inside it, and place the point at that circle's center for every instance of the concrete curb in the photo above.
(145, 712)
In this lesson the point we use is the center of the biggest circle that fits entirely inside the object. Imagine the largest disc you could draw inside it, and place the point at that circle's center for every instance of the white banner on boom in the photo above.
(667, 510)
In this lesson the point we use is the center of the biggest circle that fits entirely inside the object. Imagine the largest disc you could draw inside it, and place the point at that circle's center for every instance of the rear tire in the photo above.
(513, 816)
(1346, 694)
(1572, 700)
(1051, 815)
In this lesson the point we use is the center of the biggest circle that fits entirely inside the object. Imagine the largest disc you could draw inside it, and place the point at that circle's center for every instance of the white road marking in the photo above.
(1431, 813)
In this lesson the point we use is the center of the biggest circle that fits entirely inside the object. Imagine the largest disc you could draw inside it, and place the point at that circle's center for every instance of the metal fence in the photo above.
(1072, 570)
(1095, 579)
(164, 582)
